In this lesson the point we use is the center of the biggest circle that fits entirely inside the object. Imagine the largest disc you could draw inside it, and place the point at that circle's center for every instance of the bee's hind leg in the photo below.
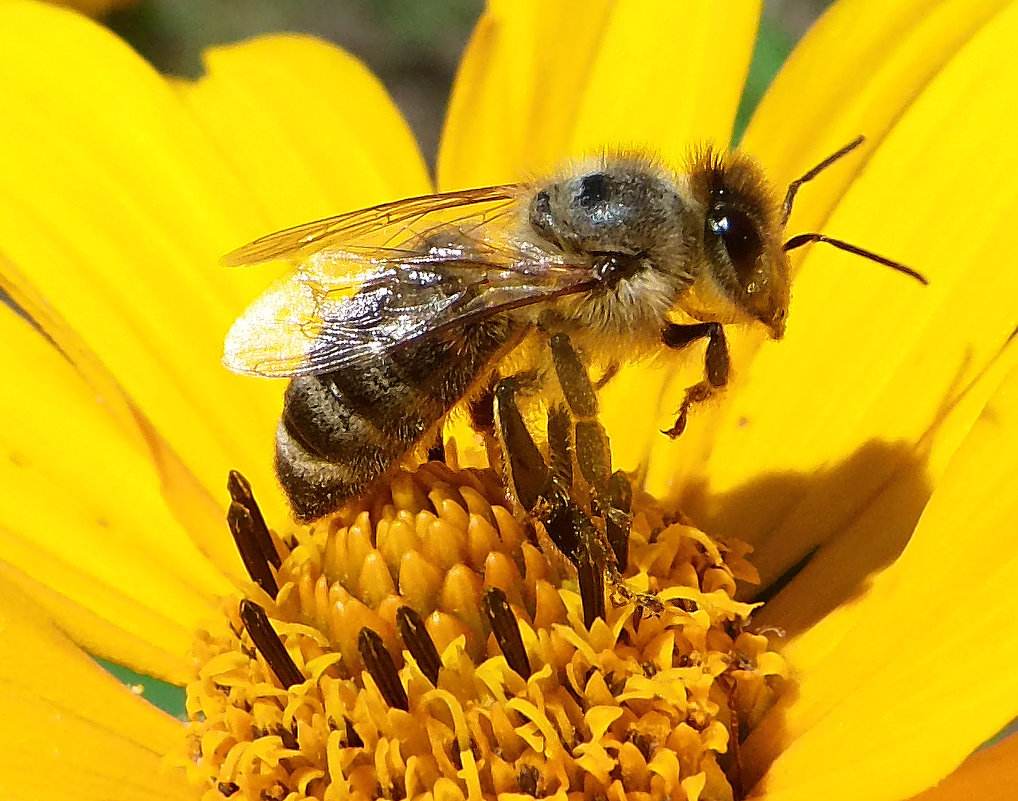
(716, 365)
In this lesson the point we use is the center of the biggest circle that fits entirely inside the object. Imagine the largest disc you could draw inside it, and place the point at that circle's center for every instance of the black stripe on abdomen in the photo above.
(342, 430)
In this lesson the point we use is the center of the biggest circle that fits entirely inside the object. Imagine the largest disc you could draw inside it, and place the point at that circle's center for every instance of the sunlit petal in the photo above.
(989, 775)
(860, 388)
(914, 674)
(540, 82)
(306, 128)
(71, 730)
(126, 578)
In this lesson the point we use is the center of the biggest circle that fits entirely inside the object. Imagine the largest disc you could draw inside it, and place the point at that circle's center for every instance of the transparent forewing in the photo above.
(318, 320)
(357, 299)
(388, 225)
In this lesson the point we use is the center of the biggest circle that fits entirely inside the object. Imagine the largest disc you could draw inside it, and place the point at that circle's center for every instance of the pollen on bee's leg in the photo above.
(382, 668)
(506, 630)
(428, 595)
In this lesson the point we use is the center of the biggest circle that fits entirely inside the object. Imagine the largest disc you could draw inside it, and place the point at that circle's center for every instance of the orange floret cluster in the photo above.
(425, 647)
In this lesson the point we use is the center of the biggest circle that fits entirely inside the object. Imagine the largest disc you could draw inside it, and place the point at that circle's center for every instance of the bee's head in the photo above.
(744, 264)
(712, 235)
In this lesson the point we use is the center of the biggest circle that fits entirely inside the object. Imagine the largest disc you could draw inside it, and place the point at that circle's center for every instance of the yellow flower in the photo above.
(874, 449)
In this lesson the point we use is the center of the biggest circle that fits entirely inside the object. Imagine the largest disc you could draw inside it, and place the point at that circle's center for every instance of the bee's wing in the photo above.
(378, 226)
(448, 266)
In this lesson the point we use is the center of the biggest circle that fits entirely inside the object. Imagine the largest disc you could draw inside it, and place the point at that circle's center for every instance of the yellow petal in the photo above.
(853, 73)
(83, 521)
(119, 226)
(72, 730)
(306, 127)
(990, 775)
(118, 229)
(543, 81)
(914, 676)
(860, 388)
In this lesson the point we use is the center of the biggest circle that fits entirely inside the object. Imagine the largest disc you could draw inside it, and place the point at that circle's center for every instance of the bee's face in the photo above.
(742, 237)
(714, 231)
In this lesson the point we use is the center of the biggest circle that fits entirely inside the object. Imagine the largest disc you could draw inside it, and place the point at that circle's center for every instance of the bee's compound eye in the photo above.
(740, 238)
(594, 189)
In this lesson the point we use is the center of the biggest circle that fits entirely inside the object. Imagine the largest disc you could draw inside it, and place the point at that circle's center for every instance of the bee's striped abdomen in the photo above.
(342, 430)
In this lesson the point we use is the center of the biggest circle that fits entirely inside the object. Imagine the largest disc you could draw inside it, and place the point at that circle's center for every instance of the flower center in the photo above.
(424, 646)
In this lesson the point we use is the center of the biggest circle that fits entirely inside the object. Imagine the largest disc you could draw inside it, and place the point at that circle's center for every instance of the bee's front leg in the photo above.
(716, 365)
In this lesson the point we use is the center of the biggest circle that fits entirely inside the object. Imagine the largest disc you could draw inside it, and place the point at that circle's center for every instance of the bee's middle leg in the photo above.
(543, 489)
(716, 365)
(611, 492)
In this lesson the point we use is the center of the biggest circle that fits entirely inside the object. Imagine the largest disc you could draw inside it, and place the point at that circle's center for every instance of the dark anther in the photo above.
(227, 788)
(436, 453)
(288, 737)
(379, 663)
(353, 739)
(506, 630)
(397, 790)
(240, 492)
(244, 531)
(643, 744)
(526, 779)
(418, 642)
(591, 589)
(269, 645)
(636, 618)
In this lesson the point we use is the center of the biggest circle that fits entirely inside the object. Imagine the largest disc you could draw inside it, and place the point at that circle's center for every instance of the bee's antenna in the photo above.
(799, 240)
(786, 207)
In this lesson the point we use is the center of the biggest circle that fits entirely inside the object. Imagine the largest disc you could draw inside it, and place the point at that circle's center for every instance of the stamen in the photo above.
(439, 541)
(506, 630)
(269, 645)
(379, 663)
(240, 492)
(526, 778)
(419, 642)
(245, 534)
(353, 739)
(591, 589)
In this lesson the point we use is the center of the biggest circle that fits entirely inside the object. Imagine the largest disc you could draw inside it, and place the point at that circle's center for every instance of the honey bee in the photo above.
(398, 313)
